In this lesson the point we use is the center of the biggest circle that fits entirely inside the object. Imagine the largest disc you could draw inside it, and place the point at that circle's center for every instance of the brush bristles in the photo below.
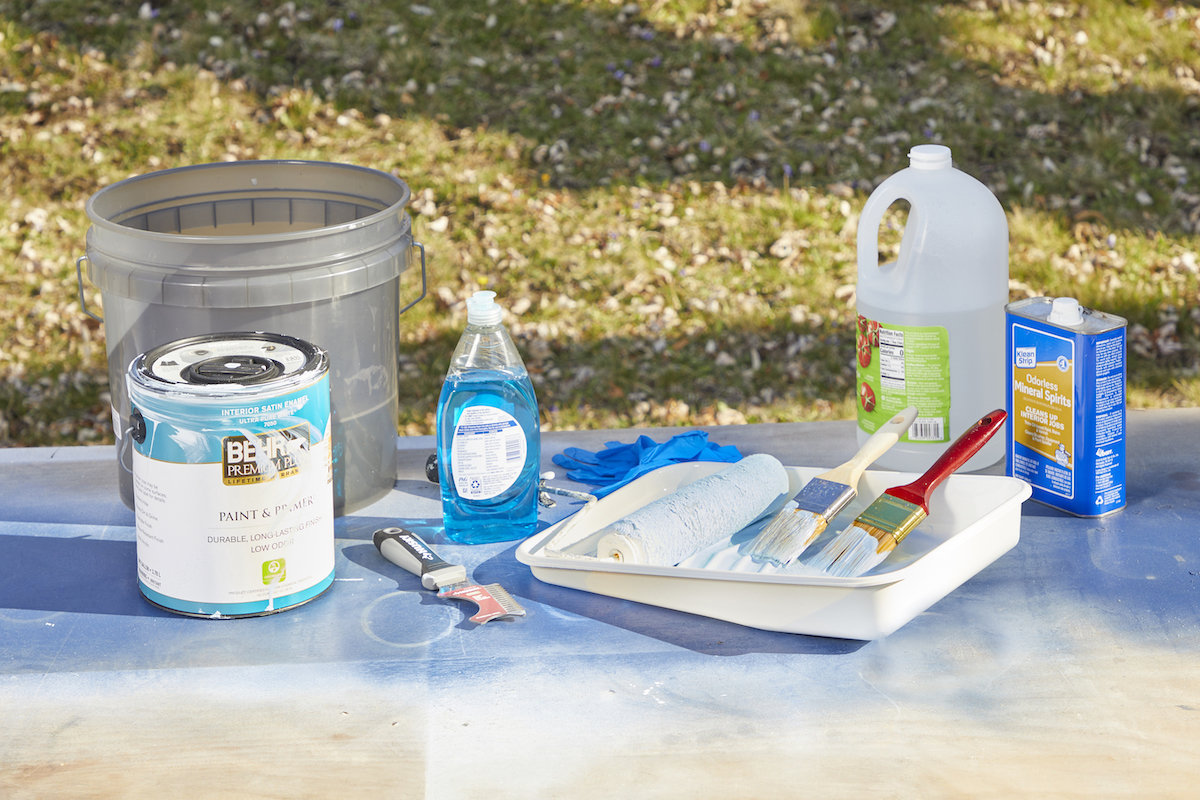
(493, 601)
(506, 601)
(787, 536)
(855, 551)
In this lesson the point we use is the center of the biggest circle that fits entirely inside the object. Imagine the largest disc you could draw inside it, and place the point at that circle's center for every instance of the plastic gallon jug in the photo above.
(306, 249)
(488, 434)
(930, 329)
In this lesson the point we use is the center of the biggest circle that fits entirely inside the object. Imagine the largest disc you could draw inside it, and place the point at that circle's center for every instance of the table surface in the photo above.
(1068, 668)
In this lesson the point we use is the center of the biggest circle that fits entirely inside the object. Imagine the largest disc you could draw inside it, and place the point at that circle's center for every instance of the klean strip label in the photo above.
(1042, 422)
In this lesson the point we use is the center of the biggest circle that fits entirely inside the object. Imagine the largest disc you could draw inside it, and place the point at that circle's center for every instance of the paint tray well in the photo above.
(973, 520)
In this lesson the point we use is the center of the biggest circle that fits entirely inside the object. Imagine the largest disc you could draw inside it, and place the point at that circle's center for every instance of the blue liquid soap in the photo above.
(488, 434)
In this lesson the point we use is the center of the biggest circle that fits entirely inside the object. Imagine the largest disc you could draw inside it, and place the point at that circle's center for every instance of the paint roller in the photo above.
(670, 529)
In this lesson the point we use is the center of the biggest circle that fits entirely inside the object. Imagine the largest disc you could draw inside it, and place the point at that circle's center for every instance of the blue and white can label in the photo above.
(1066, 404)
(232, 474)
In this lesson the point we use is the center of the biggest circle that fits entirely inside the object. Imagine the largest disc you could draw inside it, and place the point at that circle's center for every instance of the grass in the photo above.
(664, 194)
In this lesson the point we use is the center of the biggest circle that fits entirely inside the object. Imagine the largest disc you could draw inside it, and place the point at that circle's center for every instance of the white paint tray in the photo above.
(973, 520)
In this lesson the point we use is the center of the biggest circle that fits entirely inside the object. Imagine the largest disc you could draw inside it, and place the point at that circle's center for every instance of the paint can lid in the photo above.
(228, 361)
(242, 369)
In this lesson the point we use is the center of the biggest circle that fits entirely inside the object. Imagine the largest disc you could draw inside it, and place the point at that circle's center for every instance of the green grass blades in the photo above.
(664, 194)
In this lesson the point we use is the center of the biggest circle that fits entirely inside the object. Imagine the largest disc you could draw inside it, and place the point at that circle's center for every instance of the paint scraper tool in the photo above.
(406, 549)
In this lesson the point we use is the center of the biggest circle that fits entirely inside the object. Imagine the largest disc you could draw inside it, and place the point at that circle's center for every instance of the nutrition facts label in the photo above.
(901, 366)
(891, 359)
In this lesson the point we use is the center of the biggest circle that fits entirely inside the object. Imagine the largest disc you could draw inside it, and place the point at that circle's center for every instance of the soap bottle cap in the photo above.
(930, 156)
(482, 309)
(1065, 311)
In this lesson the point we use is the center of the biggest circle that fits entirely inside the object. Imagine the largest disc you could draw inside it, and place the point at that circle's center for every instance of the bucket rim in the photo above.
(393, 210)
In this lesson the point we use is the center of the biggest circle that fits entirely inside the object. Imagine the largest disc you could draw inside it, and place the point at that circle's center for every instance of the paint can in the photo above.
(1066, 404)
(232, 473)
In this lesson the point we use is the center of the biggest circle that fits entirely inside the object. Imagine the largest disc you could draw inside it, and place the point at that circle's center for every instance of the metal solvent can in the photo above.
(232, 474)
(1066, 404)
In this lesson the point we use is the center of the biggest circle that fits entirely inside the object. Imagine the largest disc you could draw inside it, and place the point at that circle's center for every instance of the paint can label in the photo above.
(1066, 406)
(233, 491)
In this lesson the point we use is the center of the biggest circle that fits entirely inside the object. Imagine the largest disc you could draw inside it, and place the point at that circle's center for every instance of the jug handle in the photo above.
(83, 300)
(868, 223)
(424, 284)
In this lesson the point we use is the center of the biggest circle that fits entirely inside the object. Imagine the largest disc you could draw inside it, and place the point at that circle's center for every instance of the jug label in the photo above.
(488, 452)
(901, 366)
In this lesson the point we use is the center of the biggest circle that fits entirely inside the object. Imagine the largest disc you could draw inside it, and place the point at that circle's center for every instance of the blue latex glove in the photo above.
(618, 464)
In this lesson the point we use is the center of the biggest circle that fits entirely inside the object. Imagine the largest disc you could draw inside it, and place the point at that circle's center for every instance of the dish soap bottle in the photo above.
(930, 327)
(488, 434)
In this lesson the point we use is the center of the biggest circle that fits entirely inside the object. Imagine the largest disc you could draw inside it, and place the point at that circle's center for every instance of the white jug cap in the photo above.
(930, 156)
(1065, 311)
(482, 309)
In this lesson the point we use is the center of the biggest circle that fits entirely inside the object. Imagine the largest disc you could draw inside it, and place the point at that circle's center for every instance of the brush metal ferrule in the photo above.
(824, 498)
(893, 516)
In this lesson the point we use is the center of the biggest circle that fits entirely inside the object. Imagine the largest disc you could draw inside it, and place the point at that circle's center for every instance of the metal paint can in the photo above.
(232, 474)
(1066, 404)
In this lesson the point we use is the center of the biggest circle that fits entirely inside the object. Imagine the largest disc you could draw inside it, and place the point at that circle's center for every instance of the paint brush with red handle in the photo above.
(893, 515)
(406, 549)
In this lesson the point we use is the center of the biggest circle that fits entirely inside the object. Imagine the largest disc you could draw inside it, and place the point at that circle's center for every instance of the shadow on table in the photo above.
(363, 524)
(363, 528)
(78, 575)
(696, 633)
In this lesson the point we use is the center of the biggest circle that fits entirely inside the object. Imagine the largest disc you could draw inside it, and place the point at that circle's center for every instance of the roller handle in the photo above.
(880, 442)
(405, 549)
(955, 456)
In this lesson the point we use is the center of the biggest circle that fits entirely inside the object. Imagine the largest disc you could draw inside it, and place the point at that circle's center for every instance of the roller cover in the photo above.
(670, 529)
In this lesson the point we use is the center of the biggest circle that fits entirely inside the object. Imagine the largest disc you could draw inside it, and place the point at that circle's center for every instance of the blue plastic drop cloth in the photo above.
(617, 464)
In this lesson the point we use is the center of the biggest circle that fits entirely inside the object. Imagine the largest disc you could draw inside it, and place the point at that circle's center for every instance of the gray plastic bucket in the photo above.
(307, 249)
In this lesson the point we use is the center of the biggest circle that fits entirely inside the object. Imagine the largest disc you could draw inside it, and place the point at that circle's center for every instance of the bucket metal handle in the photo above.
(424, 284)
(83, 300)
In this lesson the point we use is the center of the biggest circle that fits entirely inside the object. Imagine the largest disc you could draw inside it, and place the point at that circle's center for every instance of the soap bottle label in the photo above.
(901, 366)
(487, 452)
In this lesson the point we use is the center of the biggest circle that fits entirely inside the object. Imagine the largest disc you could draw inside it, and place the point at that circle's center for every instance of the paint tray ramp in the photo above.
(973, 520)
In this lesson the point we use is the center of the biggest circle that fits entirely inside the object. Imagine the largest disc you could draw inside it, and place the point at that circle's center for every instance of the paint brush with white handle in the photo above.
(792, 530)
